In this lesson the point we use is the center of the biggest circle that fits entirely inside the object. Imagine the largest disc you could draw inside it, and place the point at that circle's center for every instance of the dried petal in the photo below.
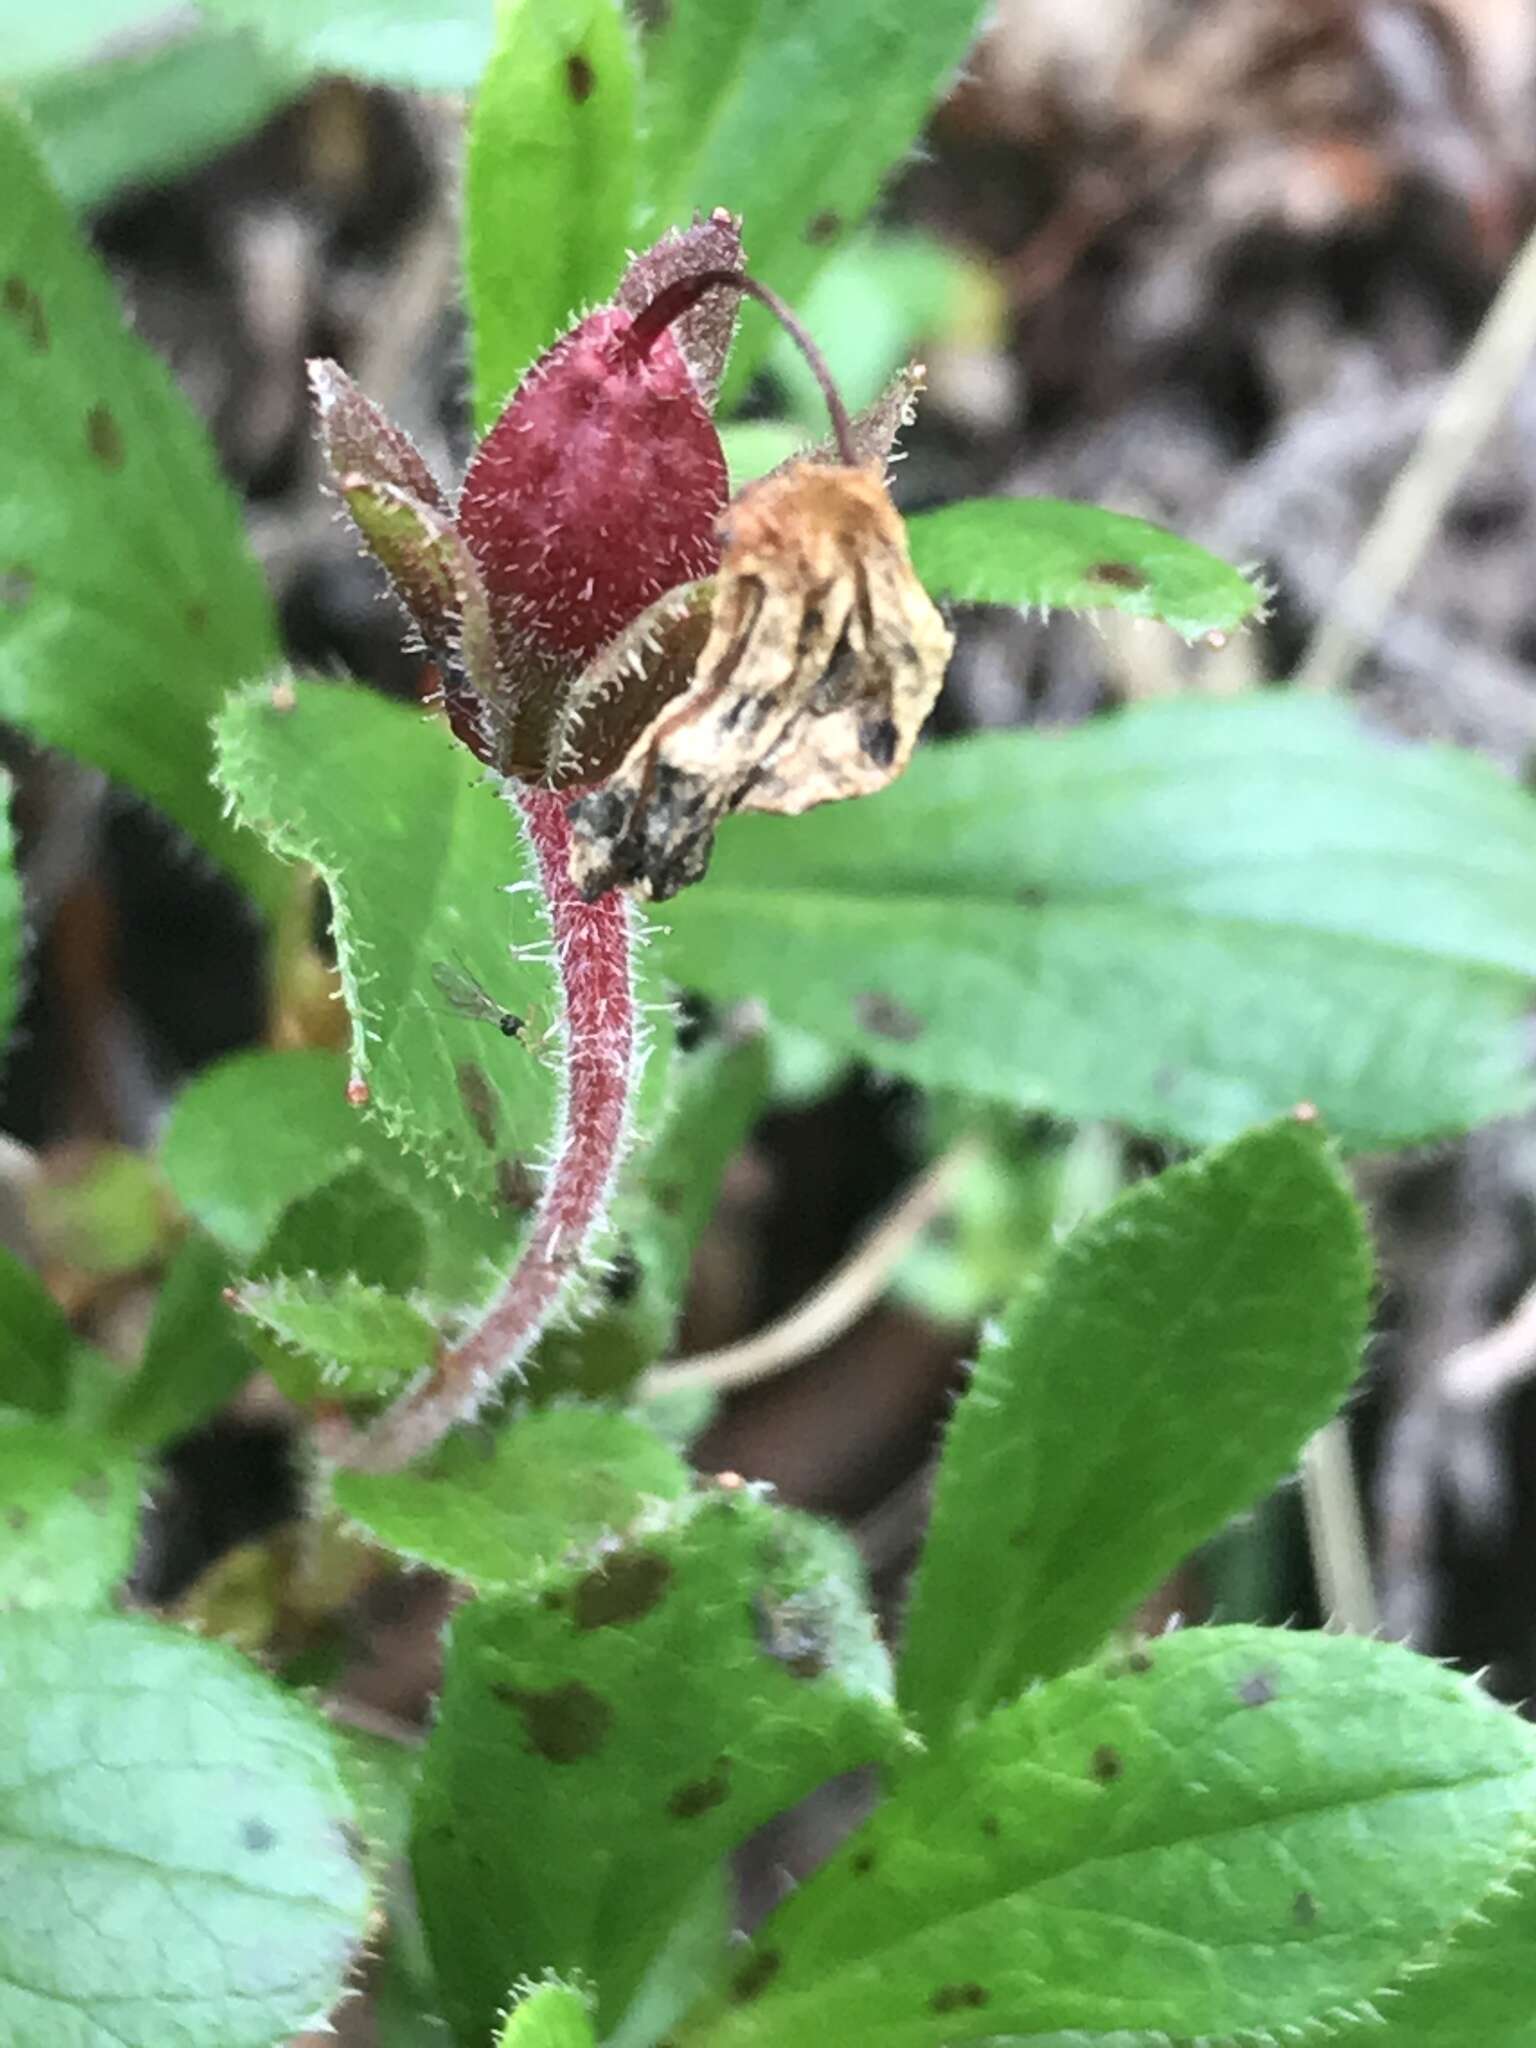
(705, 332)
(597, 490)
(824, 657)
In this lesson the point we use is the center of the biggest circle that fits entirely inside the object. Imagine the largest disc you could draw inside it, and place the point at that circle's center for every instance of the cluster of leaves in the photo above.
(1188, 918)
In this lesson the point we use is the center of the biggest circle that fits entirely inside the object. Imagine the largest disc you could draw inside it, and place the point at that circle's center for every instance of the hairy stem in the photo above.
(593, 943)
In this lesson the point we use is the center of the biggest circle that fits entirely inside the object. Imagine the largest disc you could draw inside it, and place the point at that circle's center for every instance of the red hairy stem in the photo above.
(593, 952)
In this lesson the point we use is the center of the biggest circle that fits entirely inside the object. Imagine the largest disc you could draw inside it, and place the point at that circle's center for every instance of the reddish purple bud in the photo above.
(597, 490)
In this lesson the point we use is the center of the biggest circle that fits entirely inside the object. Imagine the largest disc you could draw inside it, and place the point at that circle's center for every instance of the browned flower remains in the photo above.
(815, 657)
(823, 659)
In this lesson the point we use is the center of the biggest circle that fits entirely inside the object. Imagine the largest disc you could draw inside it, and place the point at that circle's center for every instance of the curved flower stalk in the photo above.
(588, 601)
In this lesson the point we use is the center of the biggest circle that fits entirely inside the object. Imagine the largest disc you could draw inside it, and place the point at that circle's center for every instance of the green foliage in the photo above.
(178, 1856)
(1232, 1830)
(1483, 1989)
(433, 45)
(502, 1511)
(1046, 552)
(341, 1339)
(129, 602)
(549, 2016)
(148, 113)
(1202, 1395)
(1187, 918)
(568, 1699)
(193, 1359)
(552, 141)
(39, 40)
(69, 1511)
(35, 1342)
(418, 853)
(748, 106)
(278, 1167)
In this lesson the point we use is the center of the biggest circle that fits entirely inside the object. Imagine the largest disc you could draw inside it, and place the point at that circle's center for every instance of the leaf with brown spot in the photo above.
(72, 1505)
(1394, 1790)
(23, 305)
(885, 1017)
(1066, 557)
(1123, 1321)
(621, 1590)
(552, 139)
(104, 437)
(709, 1738)
(564, 1724)
(580, 78)
(179, 1842)
(691, 1801)
(99, 657)
(479, 1100)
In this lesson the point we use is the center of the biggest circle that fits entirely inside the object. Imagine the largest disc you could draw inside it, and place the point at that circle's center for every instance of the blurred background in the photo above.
(1208, 261)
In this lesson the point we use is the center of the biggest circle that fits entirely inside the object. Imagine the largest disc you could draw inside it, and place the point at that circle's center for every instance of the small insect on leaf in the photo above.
(467, 997)
(823, 660)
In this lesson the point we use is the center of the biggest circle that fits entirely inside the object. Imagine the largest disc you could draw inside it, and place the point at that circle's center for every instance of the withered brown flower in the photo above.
(607, 625)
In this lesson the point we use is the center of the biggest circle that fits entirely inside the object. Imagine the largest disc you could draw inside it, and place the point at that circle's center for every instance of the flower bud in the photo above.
(597, 491)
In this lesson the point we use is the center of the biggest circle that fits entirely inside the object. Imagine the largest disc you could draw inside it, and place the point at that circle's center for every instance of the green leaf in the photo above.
(748, 106)
(418, 852)
(570, 1701)
(549, 2016)
(432, 45)
(500, 1512)
(129, 602)
(178, 1857)
(194, 1360)
(1187, 917)
(691, 53)
(1483, 1987)
(1232, 1832)
(687, 1965)
(355, 1227)
(43, 39)
(35, 1342)
(266, 1152)
(69, 1518)
(145, 114)
(341, 1339)
(1047, 552)
(1208, 1321)
(550, 182)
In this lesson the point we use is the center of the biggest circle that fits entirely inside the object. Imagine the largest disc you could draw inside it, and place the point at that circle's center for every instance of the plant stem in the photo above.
(593, 953)
(1476, 393)
(837, 1303)
(1336, 1532)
